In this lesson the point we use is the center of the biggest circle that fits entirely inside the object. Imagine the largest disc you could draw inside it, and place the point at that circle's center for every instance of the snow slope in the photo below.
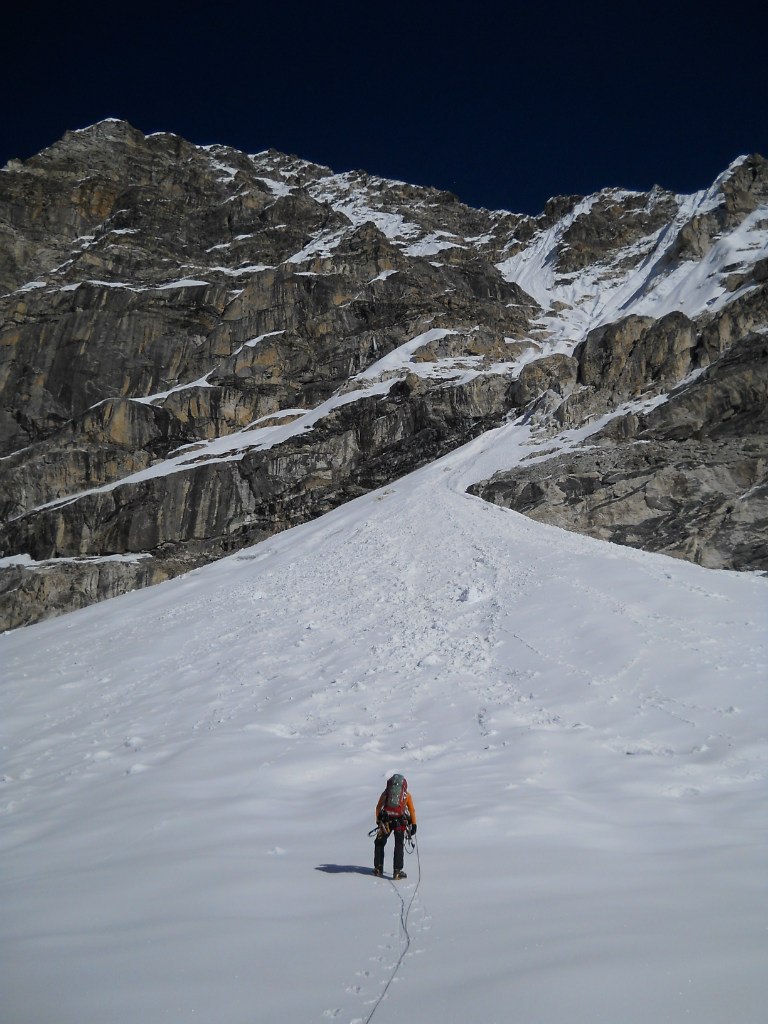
(190, 772)
(655, 284)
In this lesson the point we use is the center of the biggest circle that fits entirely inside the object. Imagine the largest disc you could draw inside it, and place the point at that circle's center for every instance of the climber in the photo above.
(394, 813)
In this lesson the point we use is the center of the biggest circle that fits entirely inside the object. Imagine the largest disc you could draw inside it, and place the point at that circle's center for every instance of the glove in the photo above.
(413, 829)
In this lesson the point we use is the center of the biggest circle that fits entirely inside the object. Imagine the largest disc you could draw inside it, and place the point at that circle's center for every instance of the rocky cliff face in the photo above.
(201, 347)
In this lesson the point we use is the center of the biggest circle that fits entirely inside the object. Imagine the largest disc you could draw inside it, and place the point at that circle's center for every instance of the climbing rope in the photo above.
(404, 912)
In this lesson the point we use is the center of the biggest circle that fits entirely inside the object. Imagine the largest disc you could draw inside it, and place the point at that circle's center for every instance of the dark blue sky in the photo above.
(505, 104)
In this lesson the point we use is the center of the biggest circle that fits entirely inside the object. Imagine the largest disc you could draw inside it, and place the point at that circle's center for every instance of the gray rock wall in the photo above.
(689, 478)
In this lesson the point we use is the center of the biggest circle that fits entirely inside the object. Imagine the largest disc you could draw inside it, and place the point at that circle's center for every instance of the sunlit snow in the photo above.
(190, 774)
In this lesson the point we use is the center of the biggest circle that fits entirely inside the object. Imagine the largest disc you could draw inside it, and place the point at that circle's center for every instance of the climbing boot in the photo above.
(378, 872)
(398, 875)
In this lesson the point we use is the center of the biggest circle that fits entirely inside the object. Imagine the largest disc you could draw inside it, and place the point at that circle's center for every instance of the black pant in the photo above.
(378, 849)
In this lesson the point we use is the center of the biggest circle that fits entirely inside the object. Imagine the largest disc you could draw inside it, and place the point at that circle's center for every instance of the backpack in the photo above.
(394, 801)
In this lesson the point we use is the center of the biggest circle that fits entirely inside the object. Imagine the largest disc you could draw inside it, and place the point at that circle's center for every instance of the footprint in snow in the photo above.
(430, 659)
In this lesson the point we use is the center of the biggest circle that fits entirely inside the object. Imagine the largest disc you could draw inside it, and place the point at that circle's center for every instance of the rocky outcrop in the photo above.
(28, 591)
(688, 478)
(614, 222)
(219, 504)
(739, 193)
(188, 518)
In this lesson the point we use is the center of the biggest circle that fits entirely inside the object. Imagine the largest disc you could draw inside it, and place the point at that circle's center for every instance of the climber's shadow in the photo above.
(344, 869)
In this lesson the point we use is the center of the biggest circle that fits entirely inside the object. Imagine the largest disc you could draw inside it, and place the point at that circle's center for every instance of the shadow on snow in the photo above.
(344, 869)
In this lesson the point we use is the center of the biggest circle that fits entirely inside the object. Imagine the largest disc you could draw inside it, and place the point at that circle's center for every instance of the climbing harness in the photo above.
(384, 828)
(410, 845)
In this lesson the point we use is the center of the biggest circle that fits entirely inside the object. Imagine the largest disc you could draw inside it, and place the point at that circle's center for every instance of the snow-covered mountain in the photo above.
(203, 347)
(190, 771)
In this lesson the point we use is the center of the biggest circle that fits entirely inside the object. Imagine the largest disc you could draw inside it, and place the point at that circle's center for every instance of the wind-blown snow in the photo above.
(693, 289)
(400, 357)
(432, 244)
(655, 286)
(27, 560)
(277, 188)
(166, 286)
(190, 772)
(345, 196)
(323, 245)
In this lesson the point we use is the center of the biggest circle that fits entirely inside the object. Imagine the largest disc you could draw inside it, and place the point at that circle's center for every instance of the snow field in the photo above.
(190, 773)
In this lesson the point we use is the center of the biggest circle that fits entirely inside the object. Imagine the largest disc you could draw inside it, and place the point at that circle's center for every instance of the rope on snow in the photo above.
(404, 912)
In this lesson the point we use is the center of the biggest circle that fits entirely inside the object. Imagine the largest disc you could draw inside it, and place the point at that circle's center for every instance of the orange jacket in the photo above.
(411, 810)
